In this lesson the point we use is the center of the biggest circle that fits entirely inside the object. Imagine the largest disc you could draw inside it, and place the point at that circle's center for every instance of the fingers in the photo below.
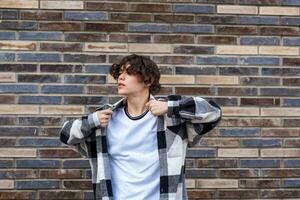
(104, 116)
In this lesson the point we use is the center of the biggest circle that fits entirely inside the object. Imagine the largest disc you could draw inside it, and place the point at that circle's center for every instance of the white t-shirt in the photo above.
(134, 161)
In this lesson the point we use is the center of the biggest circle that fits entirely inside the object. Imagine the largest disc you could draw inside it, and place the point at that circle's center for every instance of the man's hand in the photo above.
(104, 116)
(157, 107)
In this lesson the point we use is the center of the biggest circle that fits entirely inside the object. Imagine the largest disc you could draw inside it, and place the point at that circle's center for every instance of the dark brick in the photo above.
(38, 57)
(18, 67)
(265, 163)
(291, 102)
(91, 79)
(258, 122)
(62, 89)
(18, 131)
(292, 163)
(218, 19)
(6, 57)
(220, 163)
(255, 20)
(288, 41)
(39, 142)
(259, 183)
(39, 100)
(58, 153)
(49, 132)
(238, 194)
(260, 102)
(140, 7)
(85, 100)
(238, 71)
(105, 27)
(130, 17)
(102, 90)
(280, 71)
(216, 60)
(19, 174)
(56, 36)
(193, 29)
(60, 195)
(261, 143)
(18, 89)
(85, 37)
(206, 194)
(130, 38)
(84, 58)
(148, 28)
(101, 69)
(291, 61)
(173, 59)
(195, 91)
(173, 18)
(61, 174)
(281, 132)
(239, 173)
(5, 142)
(23, 185)
(76, 164)
(6, 164)
(29, 78)
(260, 2)
(259, 81)
(7, 99)
(281, 173)
(196, 70)
(60, 26)
(7, 35)
(280, 193)
(290, 21)
(18, 25)
(291, 3)
(257, 60)
(5, 195)
(106, 6)
(236, 30)
(239, 132)
(61, 68)
(291, 122)
(37, 164)
(41, 15)
(8, 121)
(279, 92)
(291, 81)
(83, 185)
(9, 14)
(173, 38)
(74, 47)
(237, 91)
(193, 49)
(194, 8)
(200, 173)
(201, 153)
(259, 40)
(85, 16)
(279, 31)
(291, 143)
(217, 40)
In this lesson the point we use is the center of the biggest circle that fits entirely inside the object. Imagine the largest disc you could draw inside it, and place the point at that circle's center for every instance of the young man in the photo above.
(137, 146)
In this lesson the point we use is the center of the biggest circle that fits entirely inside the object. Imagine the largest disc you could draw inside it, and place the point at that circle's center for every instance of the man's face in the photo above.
(130, 83)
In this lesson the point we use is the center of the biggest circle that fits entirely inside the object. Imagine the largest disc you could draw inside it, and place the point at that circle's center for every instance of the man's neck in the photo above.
(136, 104)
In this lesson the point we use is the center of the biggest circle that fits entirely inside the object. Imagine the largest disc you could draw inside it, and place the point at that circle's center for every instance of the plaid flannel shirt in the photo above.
(187, 119)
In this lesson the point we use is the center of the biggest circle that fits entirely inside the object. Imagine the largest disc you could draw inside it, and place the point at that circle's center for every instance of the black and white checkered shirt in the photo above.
(187, 119)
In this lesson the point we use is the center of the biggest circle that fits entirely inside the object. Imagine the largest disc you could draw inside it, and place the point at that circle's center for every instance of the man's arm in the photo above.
(75, 131)
(193, 109)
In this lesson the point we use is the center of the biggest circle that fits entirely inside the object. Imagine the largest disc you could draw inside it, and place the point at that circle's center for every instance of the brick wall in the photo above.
(54, 59)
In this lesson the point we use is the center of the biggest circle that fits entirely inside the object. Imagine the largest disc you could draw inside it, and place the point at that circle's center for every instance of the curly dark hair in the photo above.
(142, 66)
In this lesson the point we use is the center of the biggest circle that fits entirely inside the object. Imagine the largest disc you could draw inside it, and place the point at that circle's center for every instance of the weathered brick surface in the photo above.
(244, 54)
